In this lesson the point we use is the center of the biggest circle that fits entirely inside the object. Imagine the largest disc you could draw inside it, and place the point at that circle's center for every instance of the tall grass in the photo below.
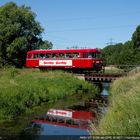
(22, 90)
(123, 115)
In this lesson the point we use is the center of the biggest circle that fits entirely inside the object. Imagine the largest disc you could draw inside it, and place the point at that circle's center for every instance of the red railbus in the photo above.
(70, 59)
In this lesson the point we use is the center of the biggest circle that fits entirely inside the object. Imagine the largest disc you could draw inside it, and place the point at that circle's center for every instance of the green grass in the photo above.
(113, 69)
(123, 115)
(23, 90)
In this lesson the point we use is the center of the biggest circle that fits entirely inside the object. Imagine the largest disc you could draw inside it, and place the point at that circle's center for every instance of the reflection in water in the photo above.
(51, 129)
(104, 92)
(105, 88)
(41, 130)
(44, 131)
(64, 123)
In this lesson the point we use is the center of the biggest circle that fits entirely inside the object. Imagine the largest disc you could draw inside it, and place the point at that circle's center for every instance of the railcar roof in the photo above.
(65, 51)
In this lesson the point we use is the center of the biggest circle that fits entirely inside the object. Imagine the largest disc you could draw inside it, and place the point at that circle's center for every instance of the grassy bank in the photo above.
(123, 115)
(22, 90)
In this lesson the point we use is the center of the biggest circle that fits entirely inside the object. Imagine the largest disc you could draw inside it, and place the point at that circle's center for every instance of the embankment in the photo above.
(123, 115)
(22, 90)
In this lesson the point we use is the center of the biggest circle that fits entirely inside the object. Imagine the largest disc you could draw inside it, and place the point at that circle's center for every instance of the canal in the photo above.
(70, 118)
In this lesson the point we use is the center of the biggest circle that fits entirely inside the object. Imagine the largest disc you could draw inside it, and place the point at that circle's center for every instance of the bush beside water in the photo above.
(22, 90)
(123, 115)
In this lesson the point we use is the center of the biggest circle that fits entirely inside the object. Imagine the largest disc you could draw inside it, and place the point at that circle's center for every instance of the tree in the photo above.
(46, 45)
(127, 53)
(19, 33)
(126, 56)
(136, 38)
(112, 52)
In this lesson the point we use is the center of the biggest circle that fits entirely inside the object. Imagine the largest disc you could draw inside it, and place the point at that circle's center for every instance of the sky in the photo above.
(85, 23)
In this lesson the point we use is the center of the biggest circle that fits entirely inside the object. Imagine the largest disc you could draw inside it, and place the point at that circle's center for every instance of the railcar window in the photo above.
(62, 55)
(90, 55)
(75, 55)
(98, 55)
(94, 55)
(48, 55)
(29, 56)
(36, 56)
(42, 56)
(68, 55)
(72, 55)
(55, 55)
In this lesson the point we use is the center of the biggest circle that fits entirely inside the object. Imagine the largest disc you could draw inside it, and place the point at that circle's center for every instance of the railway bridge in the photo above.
(110, 73)
(102, 77)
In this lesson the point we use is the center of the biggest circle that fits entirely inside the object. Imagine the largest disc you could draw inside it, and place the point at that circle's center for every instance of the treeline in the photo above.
(127, 53)
(19, 33)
